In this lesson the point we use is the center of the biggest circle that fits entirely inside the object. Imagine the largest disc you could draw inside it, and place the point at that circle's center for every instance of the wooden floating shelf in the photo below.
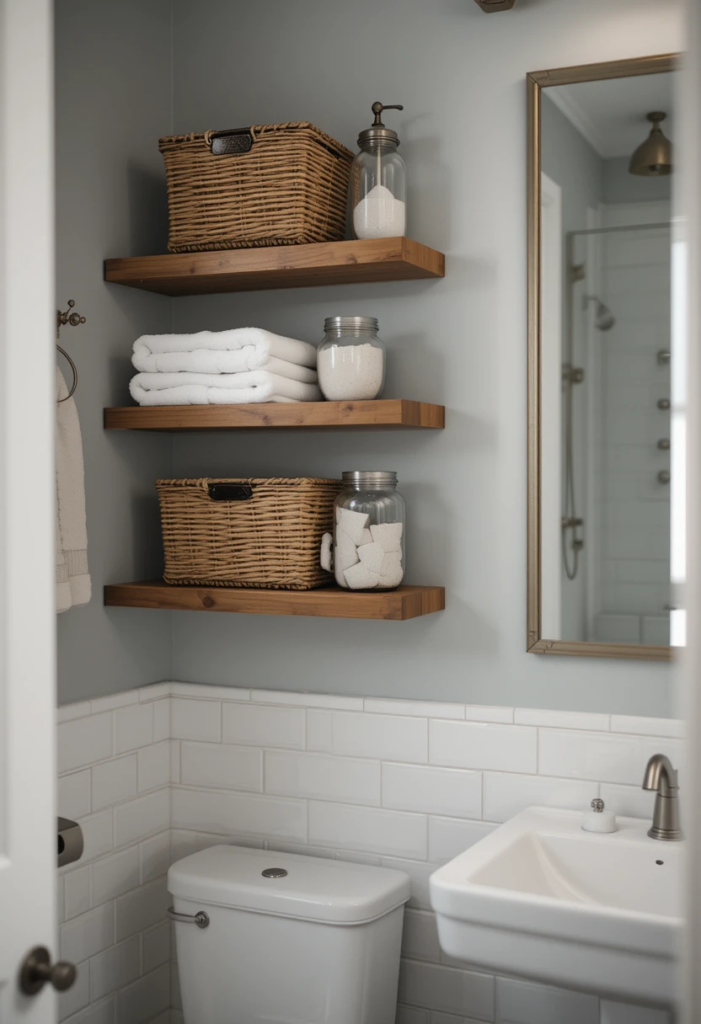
(391, 412)
(283, 266)
(327, 602)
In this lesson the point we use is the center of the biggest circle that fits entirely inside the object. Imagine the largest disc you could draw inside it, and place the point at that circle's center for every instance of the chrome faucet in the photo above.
(662, 778)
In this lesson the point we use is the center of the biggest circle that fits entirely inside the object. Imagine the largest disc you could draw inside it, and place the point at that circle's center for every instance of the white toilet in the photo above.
(277, 938)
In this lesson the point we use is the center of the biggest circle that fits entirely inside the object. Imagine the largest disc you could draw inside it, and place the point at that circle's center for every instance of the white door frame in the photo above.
(551, 404)
(27, 500)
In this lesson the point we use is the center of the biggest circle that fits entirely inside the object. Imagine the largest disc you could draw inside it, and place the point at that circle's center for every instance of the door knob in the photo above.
(664, 403)
(37, 969)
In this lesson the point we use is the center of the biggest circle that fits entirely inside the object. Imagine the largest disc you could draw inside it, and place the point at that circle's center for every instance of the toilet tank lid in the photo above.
(313, 889)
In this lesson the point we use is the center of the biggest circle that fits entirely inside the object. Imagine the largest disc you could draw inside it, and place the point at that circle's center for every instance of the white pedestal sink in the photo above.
(542, 899)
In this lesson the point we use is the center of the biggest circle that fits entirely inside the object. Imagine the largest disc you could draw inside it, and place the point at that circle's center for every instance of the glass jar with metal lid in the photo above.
(369, 532)
(378, 181)
(351, 359)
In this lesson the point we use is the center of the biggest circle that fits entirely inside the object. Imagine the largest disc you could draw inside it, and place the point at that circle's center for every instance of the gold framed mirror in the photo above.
(601, 468)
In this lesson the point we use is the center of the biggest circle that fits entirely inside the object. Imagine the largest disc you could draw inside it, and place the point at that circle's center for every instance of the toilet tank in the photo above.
(289, 939)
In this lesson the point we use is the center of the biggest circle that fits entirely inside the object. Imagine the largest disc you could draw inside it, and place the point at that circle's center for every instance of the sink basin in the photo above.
(543, 899)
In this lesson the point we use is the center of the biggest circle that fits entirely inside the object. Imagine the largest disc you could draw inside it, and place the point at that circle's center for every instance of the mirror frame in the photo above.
(536, 81)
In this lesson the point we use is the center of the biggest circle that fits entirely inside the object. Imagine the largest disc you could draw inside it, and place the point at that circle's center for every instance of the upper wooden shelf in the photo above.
(390, 412)
(284, 266)
(326, 602)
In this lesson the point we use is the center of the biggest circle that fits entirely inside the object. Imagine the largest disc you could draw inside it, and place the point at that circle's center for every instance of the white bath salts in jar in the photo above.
(379, 215)
(351, 372)
(351, 359)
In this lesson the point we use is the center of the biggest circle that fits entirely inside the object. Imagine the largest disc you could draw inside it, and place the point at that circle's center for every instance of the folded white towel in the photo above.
(219, 388)
(222, 362)
(72, 577)
(235, 351)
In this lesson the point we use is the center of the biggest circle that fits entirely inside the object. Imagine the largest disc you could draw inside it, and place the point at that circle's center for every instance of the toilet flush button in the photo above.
(274, 873)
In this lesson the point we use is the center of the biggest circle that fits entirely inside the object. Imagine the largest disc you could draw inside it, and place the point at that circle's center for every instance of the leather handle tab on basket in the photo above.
(237, 140)
(230, 492)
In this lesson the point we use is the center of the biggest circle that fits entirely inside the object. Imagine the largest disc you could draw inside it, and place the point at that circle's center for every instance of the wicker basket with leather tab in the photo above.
(263, 533)
(275, 184)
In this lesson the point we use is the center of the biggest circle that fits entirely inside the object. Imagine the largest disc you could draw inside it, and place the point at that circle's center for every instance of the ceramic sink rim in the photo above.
(456, 895)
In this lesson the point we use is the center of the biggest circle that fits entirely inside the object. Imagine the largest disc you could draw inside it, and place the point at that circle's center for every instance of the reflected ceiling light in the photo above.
(489, 6)
(653, 158)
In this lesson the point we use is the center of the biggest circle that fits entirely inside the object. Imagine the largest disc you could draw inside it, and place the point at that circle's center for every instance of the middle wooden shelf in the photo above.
(387, 412)
(326, 602)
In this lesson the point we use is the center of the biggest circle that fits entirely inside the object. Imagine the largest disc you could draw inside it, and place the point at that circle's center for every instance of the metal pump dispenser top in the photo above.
(377, 131)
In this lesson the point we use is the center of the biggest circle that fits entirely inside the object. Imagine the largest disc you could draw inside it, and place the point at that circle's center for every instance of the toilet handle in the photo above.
(200, 918)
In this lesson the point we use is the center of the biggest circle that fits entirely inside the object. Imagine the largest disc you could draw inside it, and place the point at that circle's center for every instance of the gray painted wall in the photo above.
(461, 341)
(570, 161)
(113, 100)
(620, 186)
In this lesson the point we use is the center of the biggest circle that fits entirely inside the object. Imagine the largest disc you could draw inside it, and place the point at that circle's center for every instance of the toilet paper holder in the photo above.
(70, 842)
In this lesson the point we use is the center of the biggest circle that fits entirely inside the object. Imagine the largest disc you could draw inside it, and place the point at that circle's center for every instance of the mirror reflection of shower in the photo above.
(607, 408)
(603, 320)
(572, 523)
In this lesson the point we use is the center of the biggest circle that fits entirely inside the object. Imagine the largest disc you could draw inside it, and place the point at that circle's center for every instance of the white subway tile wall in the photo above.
(158, 773)
(115, 780)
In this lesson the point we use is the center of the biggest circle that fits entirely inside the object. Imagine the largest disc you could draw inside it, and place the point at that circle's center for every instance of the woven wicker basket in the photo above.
(275, 184)
(246, 532)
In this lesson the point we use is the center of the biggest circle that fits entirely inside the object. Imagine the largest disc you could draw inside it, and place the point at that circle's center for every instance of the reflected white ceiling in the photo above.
(611, 114)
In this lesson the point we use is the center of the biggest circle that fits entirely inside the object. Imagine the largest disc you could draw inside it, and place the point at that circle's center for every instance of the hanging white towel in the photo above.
(72, 577)
(219, 388)
(234, 351)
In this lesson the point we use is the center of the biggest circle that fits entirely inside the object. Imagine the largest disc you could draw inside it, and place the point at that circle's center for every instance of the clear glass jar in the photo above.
(351, 359)
(378, 175)
(369, 532)
(378, 182)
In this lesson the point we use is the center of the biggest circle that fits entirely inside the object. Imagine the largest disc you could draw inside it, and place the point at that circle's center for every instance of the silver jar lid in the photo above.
(370, 479)
(352, 324)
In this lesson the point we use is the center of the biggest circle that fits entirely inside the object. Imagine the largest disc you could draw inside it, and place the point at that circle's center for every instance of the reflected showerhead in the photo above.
(603, 317)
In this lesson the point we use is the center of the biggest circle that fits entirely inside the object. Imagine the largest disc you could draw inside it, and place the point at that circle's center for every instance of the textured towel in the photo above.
(72, 578)
(222, 362)
(219, 388)
(235, 351)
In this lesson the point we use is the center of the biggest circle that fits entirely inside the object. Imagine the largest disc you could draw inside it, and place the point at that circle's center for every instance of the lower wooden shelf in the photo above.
(327, 602)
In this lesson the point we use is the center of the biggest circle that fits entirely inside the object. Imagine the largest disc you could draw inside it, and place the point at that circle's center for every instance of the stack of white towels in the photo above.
(223, 368)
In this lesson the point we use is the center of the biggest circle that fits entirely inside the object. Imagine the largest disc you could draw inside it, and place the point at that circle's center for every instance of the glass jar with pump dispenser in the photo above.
(378, 181)
(369, 528)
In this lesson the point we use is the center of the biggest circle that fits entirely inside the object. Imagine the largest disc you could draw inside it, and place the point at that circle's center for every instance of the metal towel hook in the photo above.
(74, 319)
